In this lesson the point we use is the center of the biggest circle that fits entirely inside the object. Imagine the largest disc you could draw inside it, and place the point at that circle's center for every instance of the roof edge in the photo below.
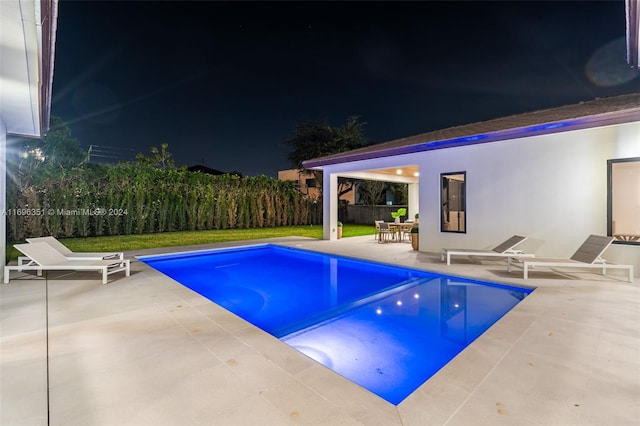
(516, 132)
(49, 21)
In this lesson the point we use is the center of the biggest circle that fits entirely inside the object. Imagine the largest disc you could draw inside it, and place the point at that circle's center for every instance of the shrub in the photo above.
(139, 199)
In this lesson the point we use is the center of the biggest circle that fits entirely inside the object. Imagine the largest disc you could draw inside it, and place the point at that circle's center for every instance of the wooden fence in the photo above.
(368, 214)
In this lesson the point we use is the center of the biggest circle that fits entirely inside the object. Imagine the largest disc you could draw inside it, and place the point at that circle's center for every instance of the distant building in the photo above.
(205, 169)
(306, 183)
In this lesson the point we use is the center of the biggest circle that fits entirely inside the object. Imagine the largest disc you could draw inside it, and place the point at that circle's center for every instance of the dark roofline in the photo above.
(49, 16)
(632, 8)
(585, 115)
(204, 169)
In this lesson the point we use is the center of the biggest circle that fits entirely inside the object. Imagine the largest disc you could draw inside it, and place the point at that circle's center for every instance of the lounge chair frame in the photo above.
(44, 257)
(588, 255)
(53, 242)
(505, 249)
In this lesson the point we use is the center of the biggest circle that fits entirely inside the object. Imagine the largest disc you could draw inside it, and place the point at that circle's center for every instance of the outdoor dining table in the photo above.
(400, 228)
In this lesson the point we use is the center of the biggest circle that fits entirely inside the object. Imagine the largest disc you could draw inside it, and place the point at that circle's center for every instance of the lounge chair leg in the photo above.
(525, 271)
(6, 275)
(104, 276)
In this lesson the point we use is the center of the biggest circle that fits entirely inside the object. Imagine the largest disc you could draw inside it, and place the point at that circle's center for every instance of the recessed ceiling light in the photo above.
(399, 171)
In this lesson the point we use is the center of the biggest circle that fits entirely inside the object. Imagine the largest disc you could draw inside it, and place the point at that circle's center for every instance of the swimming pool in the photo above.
(384, 327)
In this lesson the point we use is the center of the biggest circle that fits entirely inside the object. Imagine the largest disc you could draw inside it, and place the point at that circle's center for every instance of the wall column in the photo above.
(413, 200)
(3, 197)
(329, 206)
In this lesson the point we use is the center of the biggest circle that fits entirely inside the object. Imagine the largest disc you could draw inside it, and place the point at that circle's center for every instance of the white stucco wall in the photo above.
(551, 188)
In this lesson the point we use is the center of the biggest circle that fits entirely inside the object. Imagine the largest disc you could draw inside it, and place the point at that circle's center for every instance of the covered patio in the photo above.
(511, 167)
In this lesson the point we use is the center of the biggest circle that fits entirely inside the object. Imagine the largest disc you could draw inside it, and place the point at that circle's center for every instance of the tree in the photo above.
(59, 147)
(318, 139)
(55, 150)
(372, 192)
(159, 158)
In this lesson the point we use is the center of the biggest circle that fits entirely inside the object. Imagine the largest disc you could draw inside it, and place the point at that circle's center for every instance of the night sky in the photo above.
(225, 83)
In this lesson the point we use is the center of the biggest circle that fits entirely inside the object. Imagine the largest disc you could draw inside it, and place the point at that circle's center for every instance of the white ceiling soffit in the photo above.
(27, 37)
(403, 174)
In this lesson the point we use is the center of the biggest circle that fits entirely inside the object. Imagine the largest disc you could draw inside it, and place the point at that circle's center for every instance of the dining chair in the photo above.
(384, 231)
(377, 223)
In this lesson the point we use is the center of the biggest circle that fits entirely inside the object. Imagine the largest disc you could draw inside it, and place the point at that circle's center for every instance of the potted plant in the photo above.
(398, 214)
(417, 217)
(414, 238)
(339, 230)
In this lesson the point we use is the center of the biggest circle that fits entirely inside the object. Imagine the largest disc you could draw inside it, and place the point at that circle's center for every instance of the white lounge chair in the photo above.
(588, 255)
(62, 249)
(45, 257)
(505, 249)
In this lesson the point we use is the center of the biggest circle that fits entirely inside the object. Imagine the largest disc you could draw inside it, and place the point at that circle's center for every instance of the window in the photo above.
(311, 183)
(623, 200)
(453, 202)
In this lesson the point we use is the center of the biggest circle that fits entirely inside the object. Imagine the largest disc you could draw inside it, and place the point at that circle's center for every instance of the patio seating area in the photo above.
(144, 349)
(393, 231)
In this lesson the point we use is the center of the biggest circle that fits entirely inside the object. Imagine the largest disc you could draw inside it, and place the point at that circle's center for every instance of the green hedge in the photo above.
(132, 199)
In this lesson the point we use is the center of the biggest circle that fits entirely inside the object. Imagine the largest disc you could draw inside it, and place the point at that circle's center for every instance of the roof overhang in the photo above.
(632, 8)
(623, 109)
(27, 41)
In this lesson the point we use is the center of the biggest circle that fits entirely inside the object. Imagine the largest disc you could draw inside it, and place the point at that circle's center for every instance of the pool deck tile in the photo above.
(146, 350)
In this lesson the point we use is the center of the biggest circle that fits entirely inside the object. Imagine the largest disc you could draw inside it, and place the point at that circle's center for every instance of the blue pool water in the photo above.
(384, 327)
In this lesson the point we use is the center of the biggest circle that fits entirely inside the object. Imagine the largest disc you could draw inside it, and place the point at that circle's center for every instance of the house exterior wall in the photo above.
(551, 188)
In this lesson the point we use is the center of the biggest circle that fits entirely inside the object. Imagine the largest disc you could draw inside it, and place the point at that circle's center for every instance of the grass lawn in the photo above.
(185, 238)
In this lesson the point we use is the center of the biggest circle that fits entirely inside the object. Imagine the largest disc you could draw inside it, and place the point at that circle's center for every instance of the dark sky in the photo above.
(225, 83)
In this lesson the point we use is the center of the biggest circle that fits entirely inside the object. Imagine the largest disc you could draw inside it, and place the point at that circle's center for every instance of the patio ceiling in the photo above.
(407, 171)
(401, 174)
(27, 39)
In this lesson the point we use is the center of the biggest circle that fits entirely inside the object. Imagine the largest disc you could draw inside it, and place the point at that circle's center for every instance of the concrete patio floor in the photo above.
(145, 350)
